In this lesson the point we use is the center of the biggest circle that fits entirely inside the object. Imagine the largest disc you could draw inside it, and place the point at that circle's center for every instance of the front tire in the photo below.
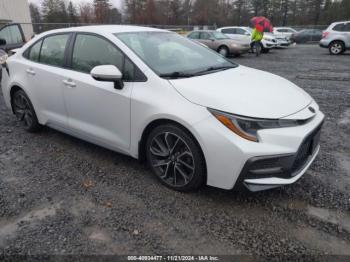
(264, 50)
(223, 50)
(336, 48)
(24, 111)
(175, 158)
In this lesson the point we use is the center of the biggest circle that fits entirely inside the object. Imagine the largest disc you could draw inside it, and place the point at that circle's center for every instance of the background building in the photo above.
(16, 11)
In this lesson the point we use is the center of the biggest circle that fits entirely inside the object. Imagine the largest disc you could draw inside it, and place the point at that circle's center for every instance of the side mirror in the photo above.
(2, 41)
(212, 39)
(108, 73)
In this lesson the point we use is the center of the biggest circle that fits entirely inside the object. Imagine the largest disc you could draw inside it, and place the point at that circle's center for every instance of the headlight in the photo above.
(248, 127)
(3, 57)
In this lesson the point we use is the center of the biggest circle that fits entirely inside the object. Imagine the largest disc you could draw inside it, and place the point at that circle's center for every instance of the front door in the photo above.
(97, 110)
(13, 35)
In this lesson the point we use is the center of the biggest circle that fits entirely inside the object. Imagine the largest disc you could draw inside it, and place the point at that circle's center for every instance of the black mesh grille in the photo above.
(306, 149)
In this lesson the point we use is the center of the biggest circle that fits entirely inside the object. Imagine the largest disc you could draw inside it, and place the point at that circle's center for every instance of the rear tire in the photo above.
(336, 48)
(175, 158)
(24, 111)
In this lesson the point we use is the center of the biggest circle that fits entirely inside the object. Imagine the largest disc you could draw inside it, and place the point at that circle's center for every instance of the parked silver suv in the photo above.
(336, 38)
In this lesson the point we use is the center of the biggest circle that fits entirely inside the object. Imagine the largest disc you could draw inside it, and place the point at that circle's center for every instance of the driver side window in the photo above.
(90, 51)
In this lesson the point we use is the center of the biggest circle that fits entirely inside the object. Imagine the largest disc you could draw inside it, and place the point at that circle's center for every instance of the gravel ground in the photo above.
(61, 195)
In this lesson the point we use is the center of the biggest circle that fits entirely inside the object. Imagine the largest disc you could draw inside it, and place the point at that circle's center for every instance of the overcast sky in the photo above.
(116, 3)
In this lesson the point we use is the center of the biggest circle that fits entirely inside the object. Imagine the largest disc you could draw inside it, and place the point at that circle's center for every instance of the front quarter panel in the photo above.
(156, 99)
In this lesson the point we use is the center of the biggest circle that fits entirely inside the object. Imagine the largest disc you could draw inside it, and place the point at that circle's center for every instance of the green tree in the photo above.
(72, 13)
(36, 17)
(102, 9)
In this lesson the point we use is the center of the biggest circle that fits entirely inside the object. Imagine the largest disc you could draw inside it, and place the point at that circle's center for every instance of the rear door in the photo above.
(207, 39)
(45, 73)
(13, 35)
(347, 33)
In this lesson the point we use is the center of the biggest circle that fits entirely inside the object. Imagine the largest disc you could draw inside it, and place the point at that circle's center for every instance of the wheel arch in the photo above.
(13, 89)
(336, 40)
(163, 121)
(223, 46)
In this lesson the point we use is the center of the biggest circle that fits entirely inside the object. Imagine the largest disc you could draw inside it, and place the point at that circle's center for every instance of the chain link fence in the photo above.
(31, 29)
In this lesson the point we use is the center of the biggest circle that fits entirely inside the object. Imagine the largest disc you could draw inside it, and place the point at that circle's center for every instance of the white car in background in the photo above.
(284, 31)
(196, 117)
(245, 33)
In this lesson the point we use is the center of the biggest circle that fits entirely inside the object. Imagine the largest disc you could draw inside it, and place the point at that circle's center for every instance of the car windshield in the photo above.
(173, 56)
(220, 36)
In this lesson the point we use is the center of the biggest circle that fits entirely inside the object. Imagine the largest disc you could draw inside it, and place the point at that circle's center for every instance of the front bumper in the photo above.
(261, 173)
(227, 154)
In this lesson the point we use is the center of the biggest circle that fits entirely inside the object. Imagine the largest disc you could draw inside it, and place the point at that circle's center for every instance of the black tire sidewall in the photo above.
(35, 126)
(199, 176)
(226, 49)
(336, 42)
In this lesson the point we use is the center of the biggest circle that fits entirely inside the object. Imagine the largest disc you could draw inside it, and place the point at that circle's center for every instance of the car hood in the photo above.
(244, 91)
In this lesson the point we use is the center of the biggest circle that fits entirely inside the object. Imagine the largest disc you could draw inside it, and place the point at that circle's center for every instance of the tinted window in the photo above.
(240, 31)
(34, 52)
(11, 34)
(339, 27)
(52, 50)
(229, 31)
(205, 35)
(194, 35)
(220, 36)
(90, 51)
(347, 27)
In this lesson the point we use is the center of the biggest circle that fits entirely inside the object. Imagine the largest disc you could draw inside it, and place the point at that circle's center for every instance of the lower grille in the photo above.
(306, 149)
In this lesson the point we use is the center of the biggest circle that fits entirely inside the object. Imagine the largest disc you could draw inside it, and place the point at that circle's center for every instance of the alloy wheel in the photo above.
(172, 159)
(22, 109)
(223, 52)
(336, 48)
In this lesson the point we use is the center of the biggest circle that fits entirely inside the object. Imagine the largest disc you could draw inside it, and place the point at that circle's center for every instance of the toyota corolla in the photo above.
(194, 116)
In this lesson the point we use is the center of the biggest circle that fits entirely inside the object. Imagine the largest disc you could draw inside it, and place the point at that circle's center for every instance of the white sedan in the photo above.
(196, 117)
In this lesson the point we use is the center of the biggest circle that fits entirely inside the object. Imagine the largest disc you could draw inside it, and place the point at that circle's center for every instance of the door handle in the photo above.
(69, 83)
(30, 72)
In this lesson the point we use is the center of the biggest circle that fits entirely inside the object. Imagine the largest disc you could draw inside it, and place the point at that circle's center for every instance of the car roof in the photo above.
(227, 27)
(341, 22)
(208, 31)
(107, 29)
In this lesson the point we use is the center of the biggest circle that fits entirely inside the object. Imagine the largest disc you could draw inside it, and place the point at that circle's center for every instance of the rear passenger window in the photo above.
(34, 52)
(347, 27)
(53, 49)
(194, 35)
(240, 31)
(229, 31)
(205, 36)
(339, 28)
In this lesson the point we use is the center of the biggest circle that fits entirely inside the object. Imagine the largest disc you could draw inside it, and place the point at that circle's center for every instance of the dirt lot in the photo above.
(60, 195)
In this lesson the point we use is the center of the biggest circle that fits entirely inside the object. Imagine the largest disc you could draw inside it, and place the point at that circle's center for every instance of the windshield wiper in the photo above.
(215, 68)
(175, 75)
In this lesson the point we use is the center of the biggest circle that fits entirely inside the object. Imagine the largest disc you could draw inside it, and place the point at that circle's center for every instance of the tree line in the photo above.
(192, 12)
